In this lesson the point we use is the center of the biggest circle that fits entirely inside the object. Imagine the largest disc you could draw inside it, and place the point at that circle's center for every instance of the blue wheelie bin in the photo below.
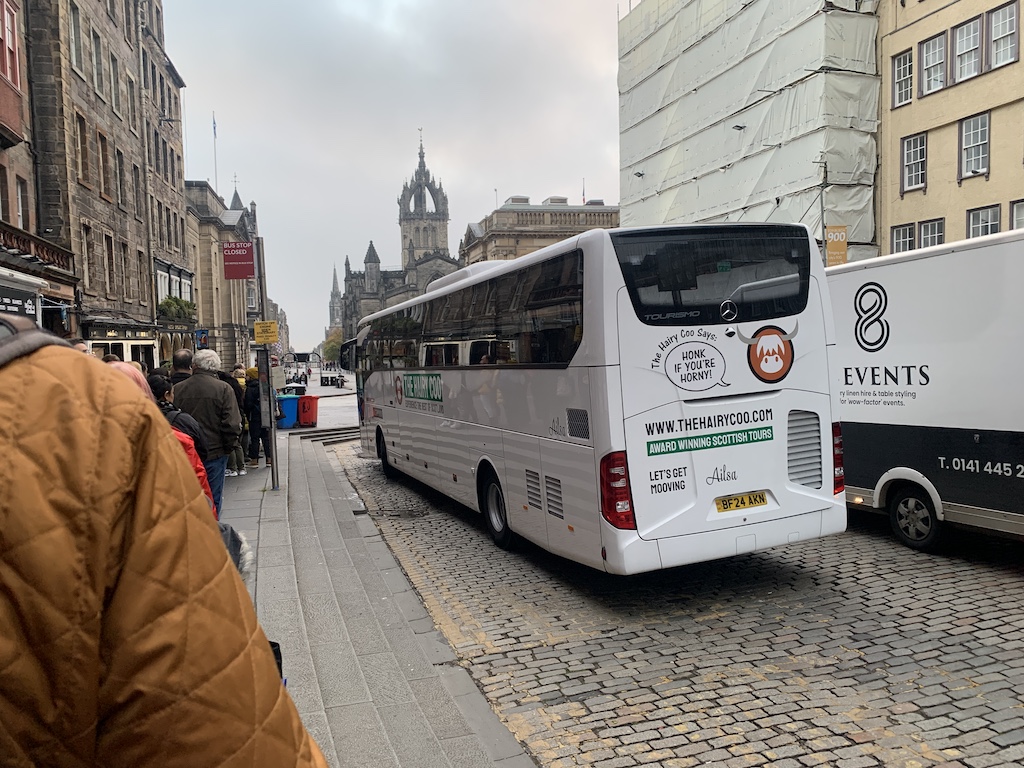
(290, 408)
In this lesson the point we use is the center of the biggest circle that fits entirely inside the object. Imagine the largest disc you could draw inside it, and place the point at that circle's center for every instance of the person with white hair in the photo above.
(212, 403)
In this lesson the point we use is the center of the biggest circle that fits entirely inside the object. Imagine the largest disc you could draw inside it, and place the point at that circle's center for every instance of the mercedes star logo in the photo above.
(729, 310)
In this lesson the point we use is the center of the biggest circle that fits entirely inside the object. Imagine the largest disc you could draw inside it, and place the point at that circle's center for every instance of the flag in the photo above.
(215, 125)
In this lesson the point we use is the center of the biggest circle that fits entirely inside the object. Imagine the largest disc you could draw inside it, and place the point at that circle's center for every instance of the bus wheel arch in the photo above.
(491, 499)
(912, 516)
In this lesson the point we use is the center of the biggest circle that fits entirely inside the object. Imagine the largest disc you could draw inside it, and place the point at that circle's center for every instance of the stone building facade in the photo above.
(225, 307)
(36, 275)
(518, 228)
(950, 135)
(107, 133)
(423, 221)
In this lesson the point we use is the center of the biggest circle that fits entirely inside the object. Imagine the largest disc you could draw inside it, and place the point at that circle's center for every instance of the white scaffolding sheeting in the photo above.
(731, 112)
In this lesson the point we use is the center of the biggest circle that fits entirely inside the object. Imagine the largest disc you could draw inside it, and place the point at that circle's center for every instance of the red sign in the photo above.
(239, 261)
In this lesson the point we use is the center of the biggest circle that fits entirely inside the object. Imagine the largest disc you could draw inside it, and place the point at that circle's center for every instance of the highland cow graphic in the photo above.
(770, 352)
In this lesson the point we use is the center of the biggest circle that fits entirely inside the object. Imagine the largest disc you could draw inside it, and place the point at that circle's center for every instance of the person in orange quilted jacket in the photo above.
(127, 637)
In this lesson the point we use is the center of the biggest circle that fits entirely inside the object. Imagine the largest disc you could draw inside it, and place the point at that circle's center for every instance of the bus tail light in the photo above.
(616, 498)
(837, 458)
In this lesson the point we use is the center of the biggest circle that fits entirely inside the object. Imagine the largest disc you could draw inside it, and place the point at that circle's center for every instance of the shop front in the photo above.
(127, 339)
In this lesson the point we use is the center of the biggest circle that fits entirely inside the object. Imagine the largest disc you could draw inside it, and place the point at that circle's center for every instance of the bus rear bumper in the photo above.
(728, 542)
(627, 553)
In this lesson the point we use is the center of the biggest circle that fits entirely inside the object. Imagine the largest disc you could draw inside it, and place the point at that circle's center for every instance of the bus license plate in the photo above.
(742, 501)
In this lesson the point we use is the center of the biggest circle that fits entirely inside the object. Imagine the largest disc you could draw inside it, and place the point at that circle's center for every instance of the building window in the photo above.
(82, 148)
(176, 286)
(902, 78)
(127, 286)
(143, 275)
(5, 196)
(251, 297)
(115, 84)
(983, 221)
(129, 26)
(104, 165)
(108, 248)
(1002, 24)
(974, 145)
(9, 46)
(77, 54)
(967, 40)
(145, 69)
(97, 63)
(933, 64)
(186, 289)
(133, 110)
(933, 232)
(121, 180)
(914, 161)
(86, 254)
(137, 185)
(1017, 214)
(163, 286)
(902, 238)
(23, 206)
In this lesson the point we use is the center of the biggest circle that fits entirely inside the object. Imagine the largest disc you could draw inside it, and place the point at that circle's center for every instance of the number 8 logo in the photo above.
(871, 331)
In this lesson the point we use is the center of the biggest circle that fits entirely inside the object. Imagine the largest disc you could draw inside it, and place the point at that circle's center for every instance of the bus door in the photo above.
(725, 382)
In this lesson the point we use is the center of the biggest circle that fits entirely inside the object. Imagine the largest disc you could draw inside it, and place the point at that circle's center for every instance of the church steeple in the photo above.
(335, 289)
(422, 215)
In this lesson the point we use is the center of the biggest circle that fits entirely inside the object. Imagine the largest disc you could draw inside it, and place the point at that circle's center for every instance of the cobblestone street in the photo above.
(851, 651)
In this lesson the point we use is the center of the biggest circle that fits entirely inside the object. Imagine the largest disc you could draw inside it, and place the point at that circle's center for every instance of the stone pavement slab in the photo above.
(375, 682)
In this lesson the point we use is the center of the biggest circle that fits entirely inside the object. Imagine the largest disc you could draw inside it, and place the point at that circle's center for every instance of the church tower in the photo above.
(422, 216)
(337, 305)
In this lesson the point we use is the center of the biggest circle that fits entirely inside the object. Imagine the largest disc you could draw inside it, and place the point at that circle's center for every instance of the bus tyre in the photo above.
(492, 503)
(913, 519)
(382, 453)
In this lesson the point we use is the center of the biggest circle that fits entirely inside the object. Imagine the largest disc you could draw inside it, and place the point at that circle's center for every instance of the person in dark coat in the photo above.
(257, 432)
(236, 459)
(181, 366)
(164, 393)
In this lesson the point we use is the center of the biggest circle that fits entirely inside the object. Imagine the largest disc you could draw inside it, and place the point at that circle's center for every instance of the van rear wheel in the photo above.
(913, 518)
(492, 504)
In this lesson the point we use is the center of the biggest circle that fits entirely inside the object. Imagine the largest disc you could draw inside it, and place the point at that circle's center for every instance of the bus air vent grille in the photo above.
(803, 451)
(579, 423)
(553, 490)
(533, 489)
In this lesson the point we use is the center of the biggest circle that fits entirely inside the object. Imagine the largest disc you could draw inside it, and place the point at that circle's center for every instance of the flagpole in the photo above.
(216, 184)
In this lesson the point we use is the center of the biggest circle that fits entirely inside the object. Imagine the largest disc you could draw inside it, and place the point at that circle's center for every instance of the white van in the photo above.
(929, 358)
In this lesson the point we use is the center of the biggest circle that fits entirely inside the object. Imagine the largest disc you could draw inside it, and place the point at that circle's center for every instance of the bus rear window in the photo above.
(685, 276)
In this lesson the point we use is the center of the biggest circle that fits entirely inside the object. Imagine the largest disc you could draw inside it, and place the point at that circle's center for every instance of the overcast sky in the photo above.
(319, 105)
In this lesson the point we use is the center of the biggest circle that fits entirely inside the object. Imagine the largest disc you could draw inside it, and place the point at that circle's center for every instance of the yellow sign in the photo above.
(265, 332)
(835, 245)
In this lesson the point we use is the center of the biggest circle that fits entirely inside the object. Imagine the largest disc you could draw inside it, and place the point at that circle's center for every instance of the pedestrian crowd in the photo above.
(128, 637)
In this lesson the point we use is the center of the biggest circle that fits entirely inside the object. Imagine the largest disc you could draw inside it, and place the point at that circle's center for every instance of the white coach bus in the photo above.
(631, 399)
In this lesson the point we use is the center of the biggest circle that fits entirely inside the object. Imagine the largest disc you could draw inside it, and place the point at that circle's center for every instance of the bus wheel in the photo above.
(493, 506)
(913, 519)
(382, 454)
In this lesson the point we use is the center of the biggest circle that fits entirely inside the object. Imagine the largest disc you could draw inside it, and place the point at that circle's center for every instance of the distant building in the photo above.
(950, 136)
(226, 308)
(423, 220)
(518, 228)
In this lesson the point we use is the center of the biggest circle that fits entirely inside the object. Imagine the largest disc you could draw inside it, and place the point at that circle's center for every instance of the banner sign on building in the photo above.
(13, 301)
(835, 246)
(239, 260)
